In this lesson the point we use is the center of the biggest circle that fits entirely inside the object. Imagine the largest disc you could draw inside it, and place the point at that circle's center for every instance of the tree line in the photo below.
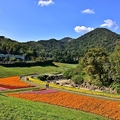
(66, 50)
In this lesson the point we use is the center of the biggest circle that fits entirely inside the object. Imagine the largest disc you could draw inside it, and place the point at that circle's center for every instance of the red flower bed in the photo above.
(13, 83)
(106, 108)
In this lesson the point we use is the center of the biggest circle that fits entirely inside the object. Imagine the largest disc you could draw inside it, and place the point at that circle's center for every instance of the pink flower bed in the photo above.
(1, 88)
(44, 91)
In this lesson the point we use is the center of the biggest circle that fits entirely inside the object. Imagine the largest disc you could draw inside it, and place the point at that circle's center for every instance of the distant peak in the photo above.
(66, 39)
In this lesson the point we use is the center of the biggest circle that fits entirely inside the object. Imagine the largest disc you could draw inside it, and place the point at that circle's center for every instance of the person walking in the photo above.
(47, 84)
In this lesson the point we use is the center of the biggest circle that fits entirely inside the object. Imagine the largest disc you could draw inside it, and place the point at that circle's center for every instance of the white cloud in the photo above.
(109, 23)
(45, 2)
(79, 29)
(89, 11)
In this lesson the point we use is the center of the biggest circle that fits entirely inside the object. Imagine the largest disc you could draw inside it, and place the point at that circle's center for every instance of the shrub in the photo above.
(43, 77)
(78, 79)
(115, 86)
(96, 82)
(68, 74)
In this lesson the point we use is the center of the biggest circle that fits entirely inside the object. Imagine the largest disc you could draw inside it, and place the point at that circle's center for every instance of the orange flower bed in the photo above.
(106, 108)
(13, 83)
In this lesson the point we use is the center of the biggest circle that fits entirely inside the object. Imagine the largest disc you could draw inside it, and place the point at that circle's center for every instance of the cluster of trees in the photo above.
(99, 68)
(9, 48)
(71, 50)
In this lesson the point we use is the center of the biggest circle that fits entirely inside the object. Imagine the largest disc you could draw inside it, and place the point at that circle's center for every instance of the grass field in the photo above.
(18, 109)
(13, 71)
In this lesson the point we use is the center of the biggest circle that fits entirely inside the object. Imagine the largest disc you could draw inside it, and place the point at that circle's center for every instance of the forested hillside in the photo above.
(64, 50)
(8, 46)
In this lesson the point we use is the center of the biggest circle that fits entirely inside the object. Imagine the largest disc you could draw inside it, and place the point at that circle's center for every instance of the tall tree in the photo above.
(95, 64)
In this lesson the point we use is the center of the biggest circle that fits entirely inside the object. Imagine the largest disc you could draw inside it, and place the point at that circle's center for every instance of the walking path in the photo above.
(84, 94)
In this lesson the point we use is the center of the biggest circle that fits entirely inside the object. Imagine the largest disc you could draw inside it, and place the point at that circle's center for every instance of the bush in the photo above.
(96, 82)
(68, 74)
(115, 86)
(43, 77)
(78, 79)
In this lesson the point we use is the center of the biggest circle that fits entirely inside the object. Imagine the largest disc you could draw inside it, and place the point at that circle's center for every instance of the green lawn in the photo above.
(18, 109)
(13, 71)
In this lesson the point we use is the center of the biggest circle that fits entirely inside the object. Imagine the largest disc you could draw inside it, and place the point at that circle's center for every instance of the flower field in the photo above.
(106, 108)
(13, 83)
(75, 89)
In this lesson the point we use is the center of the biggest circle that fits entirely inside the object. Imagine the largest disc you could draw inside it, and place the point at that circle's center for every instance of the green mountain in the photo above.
(99, 37)
(64, 50)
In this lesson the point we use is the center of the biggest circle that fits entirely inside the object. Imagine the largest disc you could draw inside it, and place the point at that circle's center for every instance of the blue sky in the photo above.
(26, 20)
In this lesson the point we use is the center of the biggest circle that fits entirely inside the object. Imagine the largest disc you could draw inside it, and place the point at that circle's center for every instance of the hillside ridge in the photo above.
(64, 50)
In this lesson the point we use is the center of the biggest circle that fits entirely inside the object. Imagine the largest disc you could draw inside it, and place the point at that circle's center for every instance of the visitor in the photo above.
(47, 84)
